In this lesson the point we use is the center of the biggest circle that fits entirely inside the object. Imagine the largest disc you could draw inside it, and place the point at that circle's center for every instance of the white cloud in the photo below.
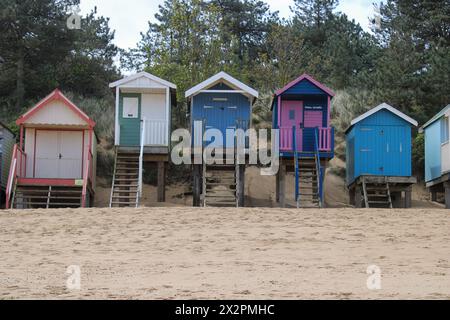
(130, 18)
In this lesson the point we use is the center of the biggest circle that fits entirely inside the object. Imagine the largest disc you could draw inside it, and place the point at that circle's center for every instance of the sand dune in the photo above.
(186, 253)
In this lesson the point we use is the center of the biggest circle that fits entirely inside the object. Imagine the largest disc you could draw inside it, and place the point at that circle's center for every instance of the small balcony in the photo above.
(307, 140)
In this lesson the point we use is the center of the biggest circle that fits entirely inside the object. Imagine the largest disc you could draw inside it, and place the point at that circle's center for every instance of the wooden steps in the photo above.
(35, 197)
(219, 186)
(125, 186)
(377, 195)
(308, 184)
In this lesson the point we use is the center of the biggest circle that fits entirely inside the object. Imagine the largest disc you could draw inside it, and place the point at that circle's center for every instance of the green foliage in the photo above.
(418, 154)
(40, 53)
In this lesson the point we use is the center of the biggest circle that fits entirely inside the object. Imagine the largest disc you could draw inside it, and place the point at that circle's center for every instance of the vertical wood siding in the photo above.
(221, 110)
(433, 167)
(382, 146)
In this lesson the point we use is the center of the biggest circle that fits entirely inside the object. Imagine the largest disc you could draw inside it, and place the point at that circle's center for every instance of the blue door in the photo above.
(395, 163)
(220, 116)
(370, 150)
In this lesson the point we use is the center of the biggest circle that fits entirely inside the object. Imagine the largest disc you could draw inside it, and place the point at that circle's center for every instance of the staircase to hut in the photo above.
(125, 185)
(36, 197)
(220, 185)
(307, 183)
(377, 195)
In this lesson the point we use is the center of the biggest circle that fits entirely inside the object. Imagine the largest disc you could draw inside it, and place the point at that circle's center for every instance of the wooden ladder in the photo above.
(307, 182)
(377, 194)
(219, 185)
(125, 184)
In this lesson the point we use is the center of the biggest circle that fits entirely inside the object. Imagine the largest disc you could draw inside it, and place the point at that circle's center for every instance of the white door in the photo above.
(59, 154)
(70, 154)
(46, 160)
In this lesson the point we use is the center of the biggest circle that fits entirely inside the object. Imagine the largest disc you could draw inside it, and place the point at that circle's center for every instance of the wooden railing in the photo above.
(325, 136)
(286, 139)
(141, 160)
(325, 139)
(18, 169)
(154, 132)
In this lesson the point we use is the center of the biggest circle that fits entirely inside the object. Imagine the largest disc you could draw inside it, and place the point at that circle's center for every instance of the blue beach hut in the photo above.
(379, 147)
(221, 103)
(437, 155)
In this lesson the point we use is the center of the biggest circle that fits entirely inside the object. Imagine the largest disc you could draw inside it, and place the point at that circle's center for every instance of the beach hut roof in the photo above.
(310, 79)
(142, 74)
(443, 112)
(56, 95)
(387, 107)
(222, 76)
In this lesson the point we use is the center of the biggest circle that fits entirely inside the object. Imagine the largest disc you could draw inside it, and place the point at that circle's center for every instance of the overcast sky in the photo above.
(130, 17)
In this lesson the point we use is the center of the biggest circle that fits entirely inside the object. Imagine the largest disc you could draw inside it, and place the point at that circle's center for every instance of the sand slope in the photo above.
(167, 253)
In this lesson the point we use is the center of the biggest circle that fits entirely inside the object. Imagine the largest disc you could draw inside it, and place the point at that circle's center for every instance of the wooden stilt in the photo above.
(433, 196)
(408, 198)
(277, 187)
(161, 181)
(241, 186)
(196, 185)
(358, 196)
(447, 195)
(351, 193)
(282, 187)
(397, 199)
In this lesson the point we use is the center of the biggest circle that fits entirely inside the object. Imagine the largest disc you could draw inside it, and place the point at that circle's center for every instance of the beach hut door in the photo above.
(58, 154)
(292, 116)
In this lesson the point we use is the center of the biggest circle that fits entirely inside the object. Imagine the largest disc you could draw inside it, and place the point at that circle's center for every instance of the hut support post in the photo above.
(351, 193)
(282, 185)
(196, 188)
(397, 199)
(358, 196)
(447, 194)
(433, 196)
(408, 198)
(277, 188)
(161, 181)
(241, 186)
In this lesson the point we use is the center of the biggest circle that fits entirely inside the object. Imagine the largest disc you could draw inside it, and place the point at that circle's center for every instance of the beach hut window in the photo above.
(292, 115)
(444, 130)
(130, 107)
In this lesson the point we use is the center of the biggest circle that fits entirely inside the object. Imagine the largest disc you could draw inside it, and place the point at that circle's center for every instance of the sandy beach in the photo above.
(191, 253)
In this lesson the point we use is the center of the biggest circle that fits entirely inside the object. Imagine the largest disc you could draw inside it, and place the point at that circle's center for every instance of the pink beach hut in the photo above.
(302, 113)
(54, 163)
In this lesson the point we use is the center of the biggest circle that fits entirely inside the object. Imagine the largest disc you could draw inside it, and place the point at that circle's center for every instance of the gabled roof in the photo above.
(142, 74)
(217, 78)
(381, 107)
(436, 117)
(54, 96)
(310, 79)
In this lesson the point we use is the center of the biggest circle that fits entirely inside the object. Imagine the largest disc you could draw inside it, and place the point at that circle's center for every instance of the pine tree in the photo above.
(314, 13)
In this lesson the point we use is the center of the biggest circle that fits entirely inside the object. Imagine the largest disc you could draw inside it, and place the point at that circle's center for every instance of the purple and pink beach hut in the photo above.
(302, 113)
